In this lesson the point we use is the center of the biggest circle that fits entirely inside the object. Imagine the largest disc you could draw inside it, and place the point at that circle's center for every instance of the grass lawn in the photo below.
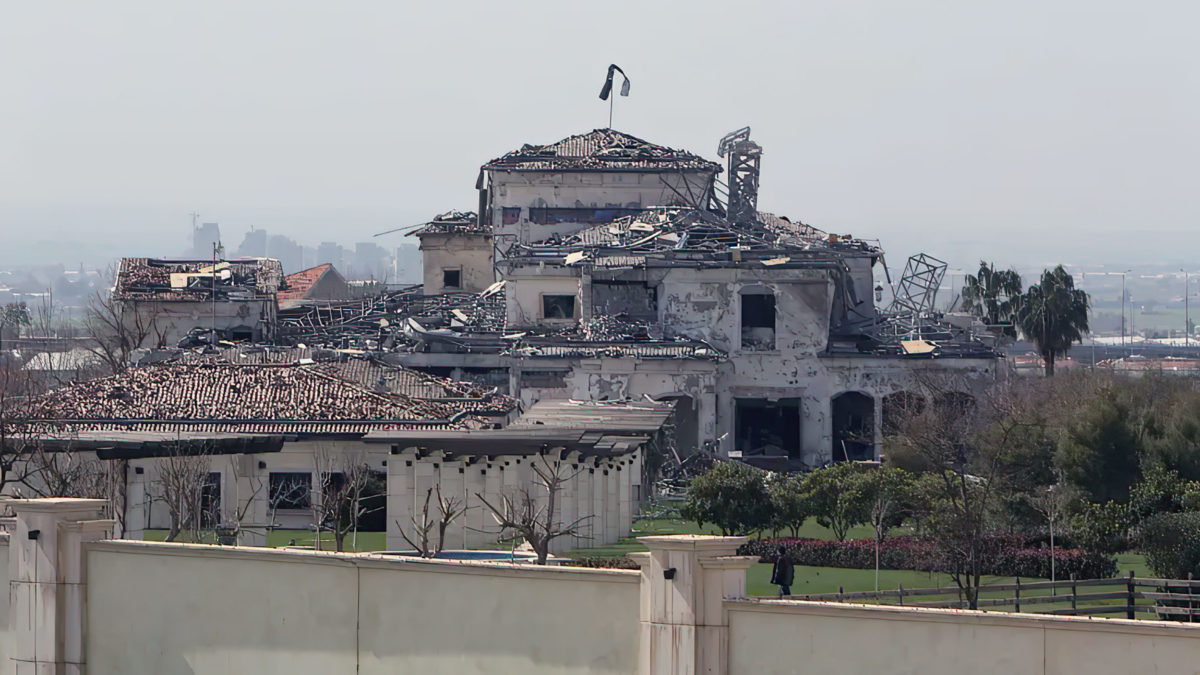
(809, 580)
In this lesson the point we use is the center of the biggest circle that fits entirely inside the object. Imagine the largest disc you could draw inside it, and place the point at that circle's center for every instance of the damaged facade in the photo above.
(631, 271)
(168, 299)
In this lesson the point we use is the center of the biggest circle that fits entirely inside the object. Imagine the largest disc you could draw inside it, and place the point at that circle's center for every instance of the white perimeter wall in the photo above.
(175, 608)
(772, 638)
(5, 619)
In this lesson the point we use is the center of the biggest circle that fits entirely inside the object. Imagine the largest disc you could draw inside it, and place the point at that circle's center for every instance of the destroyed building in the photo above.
(166, 300)
(629, 270)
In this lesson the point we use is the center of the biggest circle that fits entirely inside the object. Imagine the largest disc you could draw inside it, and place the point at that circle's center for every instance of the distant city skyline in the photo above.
(969, 131)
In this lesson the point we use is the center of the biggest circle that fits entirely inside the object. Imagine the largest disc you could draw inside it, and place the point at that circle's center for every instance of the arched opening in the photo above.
(853, 427)
(900, 407)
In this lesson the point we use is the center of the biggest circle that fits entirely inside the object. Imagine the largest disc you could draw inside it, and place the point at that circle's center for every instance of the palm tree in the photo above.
(1053, 314)
(992, 295)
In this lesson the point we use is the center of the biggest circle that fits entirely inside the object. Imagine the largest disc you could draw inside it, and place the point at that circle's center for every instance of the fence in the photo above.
(1174, 599)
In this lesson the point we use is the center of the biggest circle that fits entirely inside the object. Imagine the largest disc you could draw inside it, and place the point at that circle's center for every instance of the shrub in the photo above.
(605, 562)
(1171, 542)
(731, 495)
(1007, 556)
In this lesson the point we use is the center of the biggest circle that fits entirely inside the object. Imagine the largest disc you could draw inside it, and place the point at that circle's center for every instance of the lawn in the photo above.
(809, 580)
(812, 580)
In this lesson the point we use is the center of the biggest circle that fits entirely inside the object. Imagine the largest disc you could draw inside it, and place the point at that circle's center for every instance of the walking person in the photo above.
(783, 572)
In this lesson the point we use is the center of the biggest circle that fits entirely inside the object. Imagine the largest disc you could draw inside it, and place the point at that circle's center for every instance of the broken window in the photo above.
(544, 379)
(291, 490)
(853, 427)
(635, 299)
(766, 427)
(553, 215)
(452, 278)
(758, 321)
(558, 306)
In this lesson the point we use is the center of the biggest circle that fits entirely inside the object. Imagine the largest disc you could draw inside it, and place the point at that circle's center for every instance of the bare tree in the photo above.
(75, 473)
(20, 428)
(449, 509)
(532, 518)
(338, 505)
(117, 328)
(973, 446)
(179, 484)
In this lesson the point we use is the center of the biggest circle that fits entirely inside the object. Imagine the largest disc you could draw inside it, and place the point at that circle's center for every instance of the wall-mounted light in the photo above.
(878, 293)
(669, 573)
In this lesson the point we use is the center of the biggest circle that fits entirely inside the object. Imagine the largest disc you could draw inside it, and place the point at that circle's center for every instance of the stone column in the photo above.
(251, 495)
(612, 503)
(685, 580)
(137, 511)
(624, 497)
(48, 585)
(451, 483)
(472, 518)
(400, 497)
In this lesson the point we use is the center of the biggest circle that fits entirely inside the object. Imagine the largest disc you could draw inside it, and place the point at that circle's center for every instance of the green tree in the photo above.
(888, 494)
(1053, 314)
(790, 505)
(837, 498)
(1171, 543)
(731, 495)
(1100, 449)
(993, 295)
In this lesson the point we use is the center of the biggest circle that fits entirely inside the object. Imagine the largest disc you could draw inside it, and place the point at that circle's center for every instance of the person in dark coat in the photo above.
(783, 572)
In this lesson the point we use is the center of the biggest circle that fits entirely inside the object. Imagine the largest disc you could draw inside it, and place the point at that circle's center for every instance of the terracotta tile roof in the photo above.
(297, 284)
(601, 150)
(294, 398)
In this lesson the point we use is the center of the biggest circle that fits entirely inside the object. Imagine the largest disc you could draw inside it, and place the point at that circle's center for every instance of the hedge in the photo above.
(1005, 556)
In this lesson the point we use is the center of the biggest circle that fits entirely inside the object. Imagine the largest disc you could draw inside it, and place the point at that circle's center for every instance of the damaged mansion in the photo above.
(604, 267)
(617, 304)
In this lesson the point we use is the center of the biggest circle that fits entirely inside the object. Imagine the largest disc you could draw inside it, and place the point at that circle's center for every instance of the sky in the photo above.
(1024, 132)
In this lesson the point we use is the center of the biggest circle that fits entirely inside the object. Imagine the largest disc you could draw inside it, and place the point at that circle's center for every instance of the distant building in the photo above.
(254, 245)
(167, 299)
(322, 282)
(457, 254)
(204, 238)
(287, 252)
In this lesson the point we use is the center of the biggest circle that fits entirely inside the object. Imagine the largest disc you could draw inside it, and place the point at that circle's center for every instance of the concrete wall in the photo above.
(602, 491)
(243, 480)
(5, 618)
(776, 637)
(471, 254)
(171, 321)
(618, 189)
(172, 608)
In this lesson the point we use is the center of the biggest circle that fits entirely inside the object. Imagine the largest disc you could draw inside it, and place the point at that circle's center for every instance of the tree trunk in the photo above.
(1049, 358)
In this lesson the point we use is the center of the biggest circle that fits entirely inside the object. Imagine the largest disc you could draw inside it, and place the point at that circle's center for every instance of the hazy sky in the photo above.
(1027, 131)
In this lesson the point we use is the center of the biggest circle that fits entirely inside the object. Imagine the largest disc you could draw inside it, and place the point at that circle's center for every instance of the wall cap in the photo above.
(961, 617)
(701, 543)
(362, 560)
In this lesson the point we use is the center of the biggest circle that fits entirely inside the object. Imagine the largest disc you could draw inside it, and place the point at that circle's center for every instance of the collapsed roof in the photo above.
(601, 150)
(195, 280)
